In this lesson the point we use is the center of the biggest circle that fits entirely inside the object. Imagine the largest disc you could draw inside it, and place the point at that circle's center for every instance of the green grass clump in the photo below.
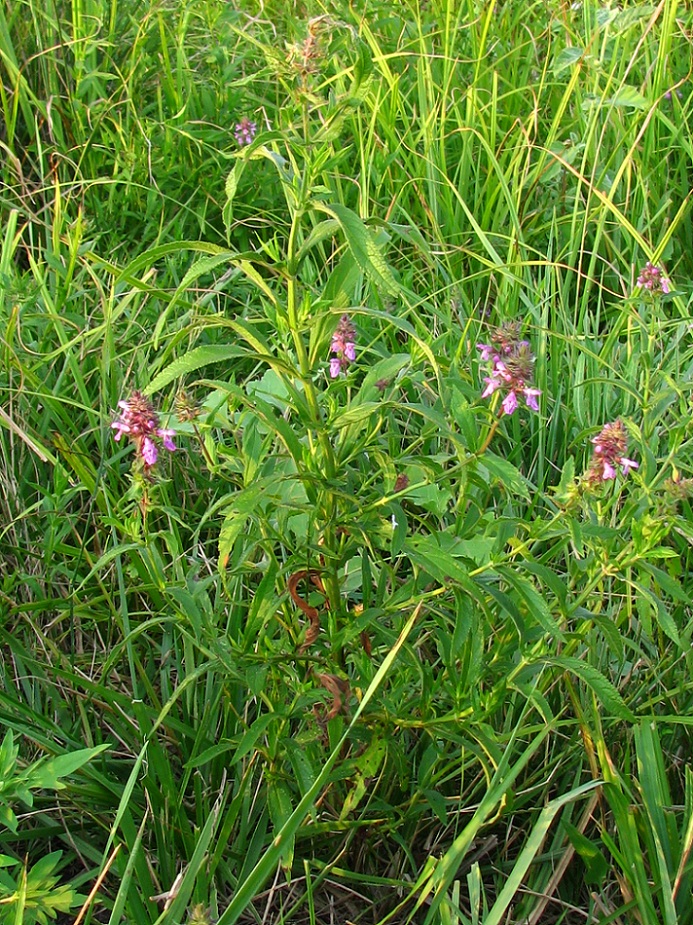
(369, 645)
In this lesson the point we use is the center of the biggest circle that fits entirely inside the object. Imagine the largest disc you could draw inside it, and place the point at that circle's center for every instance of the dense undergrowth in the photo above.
(372, 644)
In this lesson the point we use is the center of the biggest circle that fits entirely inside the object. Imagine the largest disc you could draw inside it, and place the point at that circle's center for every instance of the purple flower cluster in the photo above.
(512, 367)
(652, 279)
(245, 131)
(343, 346)
(140, 423)
(610, 446)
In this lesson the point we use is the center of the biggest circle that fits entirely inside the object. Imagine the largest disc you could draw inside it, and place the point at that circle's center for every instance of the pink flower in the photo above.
(245, 131)
(167, 435)
(140, 422)
(512, 366)
(531, 398)
(487, 351)
(609, 448)
(343, 346)
(120, 428)
(510, 402)
(653, 280)
(491, 386)
(149, 451)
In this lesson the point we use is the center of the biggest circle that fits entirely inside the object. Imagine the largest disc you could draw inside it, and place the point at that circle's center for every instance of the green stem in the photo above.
(331, 581)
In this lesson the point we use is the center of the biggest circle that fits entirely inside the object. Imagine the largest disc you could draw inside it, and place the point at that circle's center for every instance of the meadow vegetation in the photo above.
(345, 530)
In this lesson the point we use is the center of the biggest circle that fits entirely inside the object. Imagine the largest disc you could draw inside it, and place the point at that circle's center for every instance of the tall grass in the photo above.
(364, 648)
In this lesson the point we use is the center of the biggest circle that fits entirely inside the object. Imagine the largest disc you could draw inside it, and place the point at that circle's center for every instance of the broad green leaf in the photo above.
(595, 680)
(536, 606)
(354, 414)
(502, 471)
(661, 612)
(567, 57)
(48, 774)
(194, 359)
(363, 246)
(629, 97)
(326, 229)
(596, 865)
(428, 554)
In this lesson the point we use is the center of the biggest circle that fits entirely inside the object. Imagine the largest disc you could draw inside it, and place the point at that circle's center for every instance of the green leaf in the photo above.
(8, 818)
(536, 606)
(363, 71)
(258, 728)
(47, 775)
(596, 865)
(342, 282)
(427, 553)
(230, 188)
(501, 471)
(363, 246)
(326, 229)
(354, 414)
(8, 757)
(194, 359)
(594, 679)
(281, 809)
(567, 57)
(629, 97)
(663, 617)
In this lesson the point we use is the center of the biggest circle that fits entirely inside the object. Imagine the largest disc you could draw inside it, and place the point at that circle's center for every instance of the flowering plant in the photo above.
(512, 367)
(343, 346)
(610, 446)
(653, 280)
(245, 131)
(140, 423)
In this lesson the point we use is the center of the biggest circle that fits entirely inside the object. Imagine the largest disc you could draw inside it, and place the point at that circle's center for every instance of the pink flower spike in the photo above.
(245, 131)
(509, 403)
(627, 464)
(512, 367)
(149, 451)
(531, 398)
(167, 435)
(335, 367)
